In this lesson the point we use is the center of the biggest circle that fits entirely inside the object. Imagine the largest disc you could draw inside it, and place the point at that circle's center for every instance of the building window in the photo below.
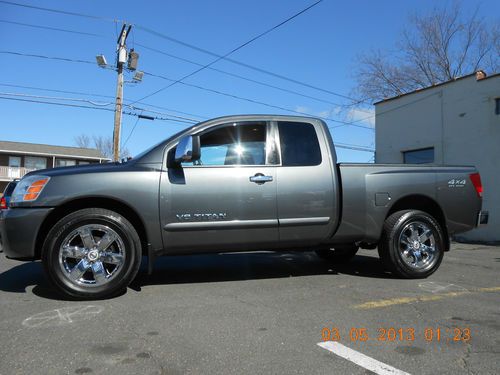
(497, 106)
(82, 162)
(15, 161)
(65, 162)
(421, 156)
(32, 162)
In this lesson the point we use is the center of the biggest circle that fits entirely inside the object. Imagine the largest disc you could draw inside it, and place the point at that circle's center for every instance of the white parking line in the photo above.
(360, 359)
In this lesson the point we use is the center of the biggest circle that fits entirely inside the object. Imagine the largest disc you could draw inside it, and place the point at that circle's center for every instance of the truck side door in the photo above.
(307, 186)
(227, 199)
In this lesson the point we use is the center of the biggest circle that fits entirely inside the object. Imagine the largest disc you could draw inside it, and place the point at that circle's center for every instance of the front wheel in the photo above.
(92, 253)
(412, 244)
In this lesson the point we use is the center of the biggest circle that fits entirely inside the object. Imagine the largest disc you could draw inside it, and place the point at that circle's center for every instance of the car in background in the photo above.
(5, 200)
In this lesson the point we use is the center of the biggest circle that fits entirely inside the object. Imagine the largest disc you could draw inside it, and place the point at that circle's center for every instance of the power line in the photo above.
(93, 103)
(238, 76)
(248, 66)
(67, 13)
(56, 98)
(88, 107)
(110, 97)
(191, 46)
(47, 57)
(182, 59)
(343, 123)
(234, 50)
(131, 132)
(353, 147)
(52, 28)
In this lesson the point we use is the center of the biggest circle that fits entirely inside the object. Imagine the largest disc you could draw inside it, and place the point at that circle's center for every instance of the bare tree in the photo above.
(437, 47)
(83, 140)
(101, 143)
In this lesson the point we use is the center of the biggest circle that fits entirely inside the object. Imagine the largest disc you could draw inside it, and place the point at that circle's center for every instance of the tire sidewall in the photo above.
(395, 254)
(65, 226)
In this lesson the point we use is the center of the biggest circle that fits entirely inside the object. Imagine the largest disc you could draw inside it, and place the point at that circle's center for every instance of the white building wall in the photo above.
(458, 119)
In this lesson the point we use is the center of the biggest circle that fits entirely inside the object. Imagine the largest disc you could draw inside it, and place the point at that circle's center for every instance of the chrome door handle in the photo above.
(259, 178)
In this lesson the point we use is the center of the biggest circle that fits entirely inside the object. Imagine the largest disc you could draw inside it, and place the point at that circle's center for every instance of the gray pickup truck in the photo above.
(239, 183)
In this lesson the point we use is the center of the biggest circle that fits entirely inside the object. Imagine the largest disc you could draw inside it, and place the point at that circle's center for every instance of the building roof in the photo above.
(50, 150)
(437, 85)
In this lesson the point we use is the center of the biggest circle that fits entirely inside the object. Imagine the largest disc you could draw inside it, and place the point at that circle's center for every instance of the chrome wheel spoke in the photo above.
(406, 240)
(77, 272)
(425, 236)
(106, 241)
(88, 240)
(111, 258)
(414, 232)
(418, 257)
(73, 252)
(99, 272)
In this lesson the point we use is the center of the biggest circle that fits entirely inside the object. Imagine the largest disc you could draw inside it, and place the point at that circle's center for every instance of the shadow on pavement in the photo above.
(208, 268)
(252, 266)
(26, 274)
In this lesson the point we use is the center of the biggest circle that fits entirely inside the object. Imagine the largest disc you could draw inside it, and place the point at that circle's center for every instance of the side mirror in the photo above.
(188, 149)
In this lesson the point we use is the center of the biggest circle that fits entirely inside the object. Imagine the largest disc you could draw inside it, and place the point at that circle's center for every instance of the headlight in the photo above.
(29, 188)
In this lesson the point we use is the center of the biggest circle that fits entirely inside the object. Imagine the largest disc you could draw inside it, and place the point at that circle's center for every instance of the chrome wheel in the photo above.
(91, 255)
(417, 246)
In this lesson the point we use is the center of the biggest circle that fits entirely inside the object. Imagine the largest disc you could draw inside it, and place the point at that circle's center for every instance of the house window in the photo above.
(15, 161)
(497, 106)
(421, 156)
(32, 162)
(65, 162)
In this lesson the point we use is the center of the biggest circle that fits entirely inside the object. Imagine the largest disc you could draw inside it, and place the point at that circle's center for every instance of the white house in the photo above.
(454, 123)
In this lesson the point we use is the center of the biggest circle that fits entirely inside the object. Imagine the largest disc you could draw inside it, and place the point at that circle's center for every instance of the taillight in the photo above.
(3, 203)
(476, 181)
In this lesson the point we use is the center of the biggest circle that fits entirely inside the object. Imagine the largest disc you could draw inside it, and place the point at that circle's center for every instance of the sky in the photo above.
(319, 48)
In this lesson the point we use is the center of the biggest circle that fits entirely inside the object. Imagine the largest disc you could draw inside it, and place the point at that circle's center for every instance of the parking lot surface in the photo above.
(260, 313)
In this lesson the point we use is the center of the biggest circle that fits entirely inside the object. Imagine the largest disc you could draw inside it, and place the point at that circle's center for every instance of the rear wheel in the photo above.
(339, 254)
(412, 244)
(92, 253)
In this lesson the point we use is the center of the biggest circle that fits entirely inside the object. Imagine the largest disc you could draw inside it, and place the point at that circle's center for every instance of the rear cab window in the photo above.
(299, 144)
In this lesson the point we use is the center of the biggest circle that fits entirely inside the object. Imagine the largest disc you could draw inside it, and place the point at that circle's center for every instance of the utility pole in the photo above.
(121, 59)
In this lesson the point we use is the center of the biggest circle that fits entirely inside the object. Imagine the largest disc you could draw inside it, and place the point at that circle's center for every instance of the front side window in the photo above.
(422, 156)
(299, 144)
(32, 162)
(234, 144)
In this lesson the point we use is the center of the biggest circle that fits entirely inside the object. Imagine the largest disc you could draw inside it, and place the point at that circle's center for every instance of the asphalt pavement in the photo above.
(260, 313)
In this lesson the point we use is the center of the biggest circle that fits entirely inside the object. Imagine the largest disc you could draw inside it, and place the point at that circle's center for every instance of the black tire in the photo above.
(392, 246)
(120, 260)
(339, 254)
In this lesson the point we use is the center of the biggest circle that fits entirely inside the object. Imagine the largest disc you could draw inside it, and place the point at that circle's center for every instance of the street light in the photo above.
(138, 76)
(101, 61)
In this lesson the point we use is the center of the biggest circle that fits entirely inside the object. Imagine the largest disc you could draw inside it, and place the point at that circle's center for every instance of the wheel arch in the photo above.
(425, 204)
(95, 202)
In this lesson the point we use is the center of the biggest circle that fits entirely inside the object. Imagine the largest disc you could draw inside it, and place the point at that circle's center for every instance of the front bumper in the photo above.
(482, 218)
(19, 228)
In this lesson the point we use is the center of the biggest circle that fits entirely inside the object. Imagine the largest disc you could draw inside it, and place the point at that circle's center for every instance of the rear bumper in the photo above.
(482, 218)
(19, 228)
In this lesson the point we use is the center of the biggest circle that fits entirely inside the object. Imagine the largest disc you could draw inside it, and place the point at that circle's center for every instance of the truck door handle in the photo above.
(259, 178)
